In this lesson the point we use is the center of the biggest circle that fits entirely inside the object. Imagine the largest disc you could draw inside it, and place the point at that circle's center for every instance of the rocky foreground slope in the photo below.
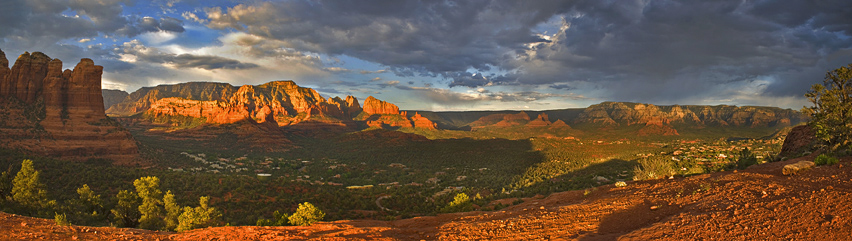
(754, 204)
(47, 111)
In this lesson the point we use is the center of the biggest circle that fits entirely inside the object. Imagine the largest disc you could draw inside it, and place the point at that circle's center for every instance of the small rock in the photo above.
(654, 207)
(23, 224)
(601, 179)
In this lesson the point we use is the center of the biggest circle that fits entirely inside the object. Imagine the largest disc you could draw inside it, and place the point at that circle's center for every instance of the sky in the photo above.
(454, 55)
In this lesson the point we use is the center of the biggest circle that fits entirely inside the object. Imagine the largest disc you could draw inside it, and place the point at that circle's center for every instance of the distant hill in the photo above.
(615, 114)
(112, 97)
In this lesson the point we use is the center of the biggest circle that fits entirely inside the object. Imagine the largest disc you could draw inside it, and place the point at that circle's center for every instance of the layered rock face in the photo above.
(423, 122)
(280, 102)
(59, 113)
(374, 106)
(619, 113)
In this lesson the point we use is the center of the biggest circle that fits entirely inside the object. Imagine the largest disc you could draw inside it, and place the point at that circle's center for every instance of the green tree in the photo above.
(173, 210)
(831, 115)
(278, 219)
(746, 159)
(198, 217)
(28, 191)
(88, 207)
(6, 184)
(306, 214)
(461, 203)
(148, 188)
(126, 212)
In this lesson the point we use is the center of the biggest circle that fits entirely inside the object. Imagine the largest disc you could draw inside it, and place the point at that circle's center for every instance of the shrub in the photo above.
(654, 168)
(198, 217)
(747, 158)
(824, 159)
(61, 220)
(278, 219)
(461, 203)
(306, 214)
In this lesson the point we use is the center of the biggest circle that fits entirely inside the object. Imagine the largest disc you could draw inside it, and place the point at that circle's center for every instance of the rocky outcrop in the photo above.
(112, 97)
(423, 122)
(541, 121)
(58, 113)
(373, 106)
(502, 120)
(800, 139)
(280, 102)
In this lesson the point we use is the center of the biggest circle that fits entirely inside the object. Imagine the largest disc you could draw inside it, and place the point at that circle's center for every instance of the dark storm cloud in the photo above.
(412, 37)
(663, 50)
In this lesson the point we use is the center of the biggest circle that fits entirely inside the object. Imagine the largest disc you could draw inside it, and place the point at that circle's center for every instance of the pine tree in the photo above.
(173, 211)
(148, 188)
(6, 184)
(28, 191)
(88, 207)
(126, 213)
(831, 115)
(306, 214)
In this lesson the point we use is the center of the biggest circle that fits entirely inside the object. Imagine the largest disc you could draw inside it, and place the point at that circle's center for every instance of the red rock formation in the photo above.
(541, 121)
(25, 79)
(374, 106)
(73, 125)
(4, 71)
(280, 102)
(559, 124)
(423, 122)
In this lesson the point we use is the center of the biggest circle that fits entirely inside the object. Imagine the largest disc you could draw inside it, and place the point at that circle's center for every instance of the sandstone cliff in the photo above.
(279, 102)
(47, 111)
(373, 106)
(423, 122)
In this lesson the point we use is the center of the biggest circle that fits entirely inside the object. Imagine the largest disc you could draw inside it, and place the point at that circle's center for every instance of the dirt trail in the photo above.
(753, 204)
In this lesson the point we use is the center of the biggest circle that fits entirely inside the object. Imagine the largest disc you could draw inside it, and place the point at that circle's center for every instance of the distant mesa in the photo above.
(51, 112)
(517, 119)
(624, 113)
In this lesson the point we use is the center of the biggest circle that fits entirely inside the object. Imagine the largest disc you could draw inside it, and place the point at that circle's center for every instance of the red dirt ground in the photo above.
(753, 204)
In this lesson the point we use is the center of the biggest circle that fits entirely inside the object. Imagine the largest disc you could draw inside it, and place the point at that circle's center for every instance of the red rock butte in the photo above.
(59, 113)
(281, 103)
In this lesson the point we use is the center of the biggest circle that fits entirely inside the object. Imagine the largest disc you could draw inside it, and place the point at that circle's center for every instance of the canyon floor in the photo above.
(758, 203)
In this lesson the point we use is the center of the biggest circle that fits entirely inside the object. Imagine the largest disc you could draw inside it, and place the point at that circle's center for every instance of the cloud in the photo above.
(42, 23)
(373, 72)
(449, 97)
(389, 83)
(192, 17)
(134, 51)
(661, 50)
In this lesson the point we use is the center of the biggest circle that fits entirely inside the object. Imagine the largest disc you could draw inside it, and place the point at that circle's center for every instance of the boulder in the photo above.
(795, 168)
